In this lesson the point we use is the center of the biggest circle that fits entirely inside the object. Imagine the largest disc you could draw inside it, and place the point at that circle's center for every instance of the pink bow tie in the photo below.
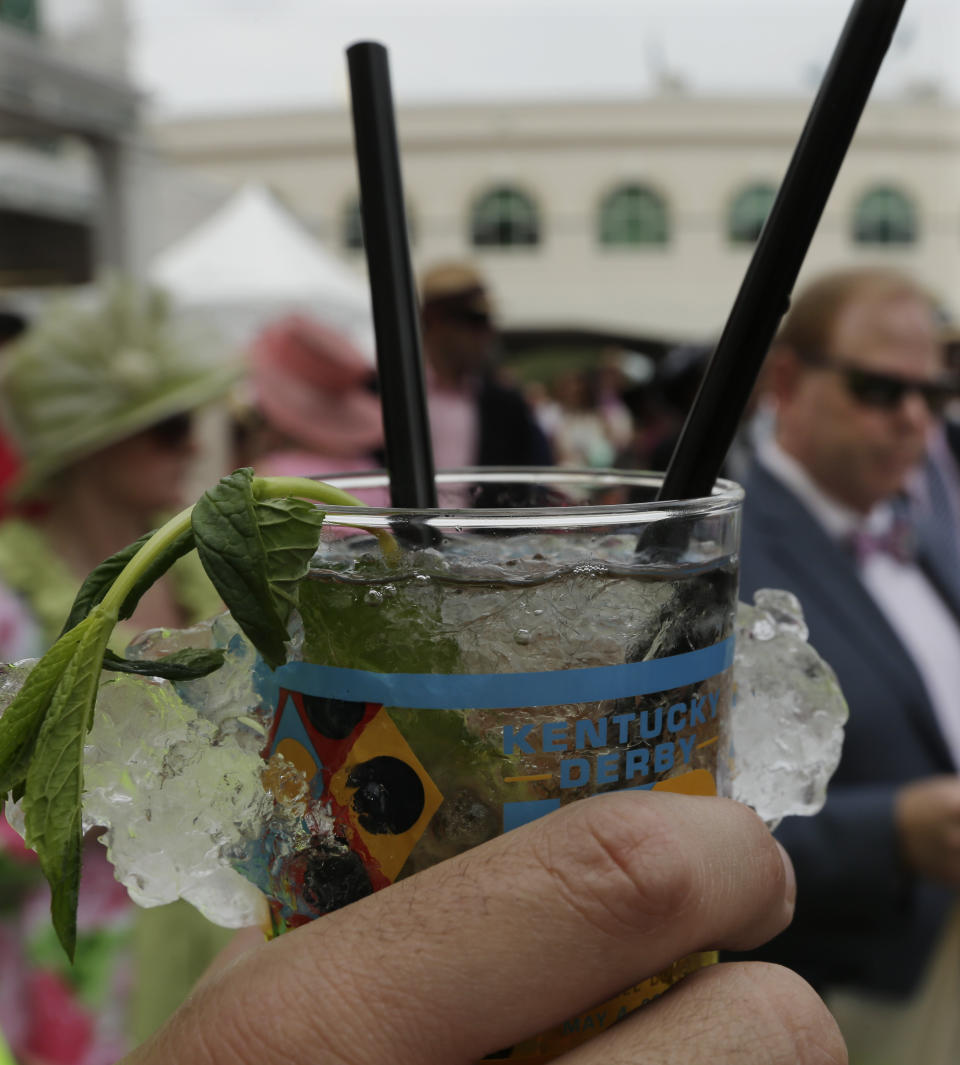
(897, 542)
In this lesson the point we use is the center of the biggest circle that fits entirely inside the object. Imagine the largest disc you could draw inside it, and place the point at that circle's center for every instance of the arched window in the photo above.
(884, 215)
(351, 225)
(504, 217)
(633, 214)
(748, 212)
(21, 13)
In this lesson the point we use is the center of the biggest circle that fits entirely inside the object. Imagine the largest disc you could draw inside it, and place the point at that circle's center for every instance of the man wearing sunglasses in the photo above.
(858, 378)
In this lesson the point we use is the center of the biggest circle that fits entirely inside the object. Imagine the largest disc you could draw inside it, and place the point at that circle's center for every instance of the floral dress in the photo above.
(132, 966)
(52, 1011)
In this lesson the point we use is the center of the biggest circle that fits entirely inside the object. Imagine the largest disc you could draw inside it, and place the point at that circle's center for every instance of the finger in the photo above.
(510, 938)
(734, 1014)
(244, 941)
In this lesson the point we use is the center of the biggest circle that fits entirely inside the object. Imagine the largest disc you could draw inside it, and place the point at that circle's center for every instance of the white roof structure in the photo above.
(252, 262)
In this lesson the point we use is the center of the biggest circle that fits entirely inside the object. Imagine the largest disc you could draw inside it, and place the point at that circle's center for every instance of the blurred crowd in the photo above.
(850, 451)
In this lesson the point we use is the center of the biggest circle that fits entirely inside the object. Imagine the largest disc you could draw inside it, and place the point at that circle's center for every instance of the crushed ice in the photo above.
(173, 773)
(181, 788)
(787, 722)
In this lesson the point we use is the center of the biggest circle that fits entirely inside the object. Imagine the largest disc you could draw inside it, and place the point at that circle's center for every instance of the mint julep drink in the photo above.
(388, 689)
(573, 639)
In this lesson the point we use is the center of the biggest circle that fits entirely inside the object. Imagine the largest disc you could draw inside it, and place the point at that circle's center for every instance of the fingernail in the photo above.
(790, 891)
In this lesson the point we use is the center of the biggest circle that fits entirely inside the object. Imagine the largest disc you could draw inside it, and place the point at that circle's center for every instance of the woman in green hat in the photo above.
(99, 401)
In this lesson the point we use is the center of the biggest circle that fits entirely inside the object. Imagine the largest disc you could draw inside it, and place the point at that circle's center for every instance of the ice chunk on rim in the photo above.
(787, 723)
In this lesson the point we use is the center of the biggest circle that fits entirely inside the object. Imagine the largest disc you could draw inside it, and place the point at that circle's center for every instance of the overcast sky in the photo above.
(215, 55)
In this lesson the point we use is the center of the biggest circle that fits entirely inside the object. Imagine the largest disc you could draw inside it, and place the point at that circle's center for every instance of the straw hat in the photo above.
(311, 383)
(84, 377)
(455, 287)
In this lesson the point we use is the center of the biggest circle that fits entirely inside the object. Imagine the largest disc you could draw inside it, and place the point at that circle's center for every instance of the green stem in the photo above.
(305, 487)
(274, 487)
(263, 488)
(157, 544)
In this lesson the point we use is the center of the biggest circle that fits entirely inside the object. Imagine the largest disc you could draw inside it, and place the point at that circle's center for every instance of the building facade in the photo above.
(68, 114)
(638, 216)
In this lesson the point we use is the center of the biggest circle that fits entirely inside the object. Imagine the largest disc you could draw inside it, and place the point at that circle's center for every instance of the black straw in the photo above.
(399, 360)
(764, 295)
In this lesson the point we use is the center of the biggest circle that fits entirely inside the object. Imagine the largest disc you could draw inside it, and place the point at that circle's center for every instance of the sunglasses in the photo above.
(883, 391)
(172, 432)
(468, 318)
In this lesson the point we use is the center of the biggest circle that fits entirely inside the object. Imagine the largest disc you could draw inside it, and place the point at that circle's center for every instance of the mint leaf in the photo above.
(189, 663)
(100, 580)
(54, 780)
(254, 553)
(21, 721)
(290, 529)
(254, 549)
(340, 629)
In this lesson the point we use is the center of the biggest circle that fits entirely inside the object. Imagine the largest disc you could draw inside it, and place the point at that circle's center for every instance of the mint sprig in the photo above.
(54, 780)
(188, 663)
(20, 724)
(99, 582)
(255, 537)
(255, 553)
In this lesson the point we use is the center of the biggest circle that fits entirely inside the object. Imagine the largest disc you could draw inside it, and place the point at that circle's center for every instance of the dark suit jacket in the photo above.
(509, 433)
(508, 436)
(861, 918)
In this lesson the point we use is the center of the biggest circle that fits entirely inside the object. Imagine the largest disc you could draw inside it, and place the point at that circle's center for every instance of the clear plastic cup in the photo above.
(547, 635)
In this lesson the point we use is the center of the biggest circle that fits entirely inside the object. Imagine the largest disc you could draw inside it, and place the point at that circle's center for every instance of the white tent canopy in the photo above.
(252, 262)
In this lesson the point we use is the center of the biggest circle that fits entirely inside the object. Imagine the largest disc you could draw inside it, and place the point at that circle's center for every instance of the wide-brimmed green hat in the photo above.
(85, 376)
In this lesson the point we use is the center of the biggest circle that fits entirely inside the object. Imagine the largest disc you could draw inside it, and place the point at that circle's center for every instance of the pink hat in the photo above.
(312, 384)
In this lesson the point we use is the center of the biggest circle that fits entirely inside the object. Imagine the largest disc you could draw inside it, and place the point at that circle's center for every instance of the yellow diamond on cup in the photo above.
(379, 740)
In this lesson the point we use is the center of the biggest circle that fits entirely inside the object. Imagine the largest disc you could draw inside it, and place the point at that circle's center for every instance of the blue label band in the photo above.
(501, 691)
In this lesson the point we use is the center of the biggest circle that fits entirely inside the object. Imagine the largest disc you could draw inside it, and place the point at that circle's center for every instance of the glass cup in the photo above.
(547, 635)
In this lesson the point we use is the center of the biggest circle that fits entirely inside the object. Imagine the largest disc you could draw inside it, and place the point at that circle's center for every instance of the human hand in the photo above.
(514, 936)
(927, 815)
